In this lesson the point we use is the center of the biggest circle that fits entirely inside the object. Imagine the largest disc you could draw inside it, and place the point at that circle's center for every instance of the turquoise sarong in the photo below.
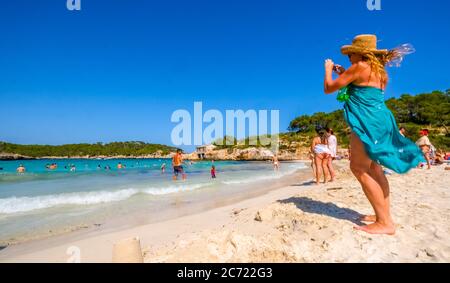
(370, 119)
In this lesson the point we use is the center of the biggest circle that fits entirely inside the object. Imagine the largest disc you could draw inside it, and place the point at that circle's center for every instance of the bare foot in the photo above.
(377, 228)
(368, 218)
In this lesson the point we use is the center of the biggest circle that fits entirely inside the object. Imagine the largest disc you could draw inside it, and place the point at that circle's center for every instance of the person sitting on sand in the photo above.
(375, 140)
(213, 172)
(439, 159)
(322, 154)
(425, 145)
(177, 162)
(21, 169)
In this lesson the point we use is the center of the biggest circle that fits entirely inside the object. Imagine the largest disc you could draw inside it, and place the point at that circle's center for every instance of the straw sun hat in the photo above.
(362, 44)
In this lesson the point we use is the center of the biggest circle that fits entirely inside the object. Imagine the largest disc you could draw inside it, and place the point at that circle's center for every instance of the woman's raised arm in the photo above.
(343, 80)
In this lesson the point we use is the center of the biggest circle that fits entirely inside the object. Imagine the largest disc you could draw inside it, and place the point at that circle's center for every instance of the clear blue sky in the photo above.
(116, 70)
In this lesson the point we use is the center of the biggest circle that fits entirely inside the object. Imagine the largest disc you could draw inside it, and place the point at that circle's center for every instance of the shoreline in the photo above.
(141, 157)
(134, 219)
(53, 249)
(298, 222)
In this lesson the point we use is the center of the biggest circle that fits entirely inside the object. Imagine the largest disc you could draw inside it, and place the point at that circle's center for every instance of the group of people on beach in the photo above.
(428, 150)
(431, 155)
(376, 142)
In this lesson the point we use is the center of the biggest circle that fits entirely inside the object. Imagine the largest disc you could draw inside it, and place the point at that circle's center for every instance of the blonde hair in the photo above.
(378, 63)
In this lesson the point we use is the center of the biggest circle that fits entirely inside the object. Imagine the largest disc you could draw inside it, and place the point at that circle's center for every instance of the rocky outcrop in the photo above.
(250, 153)
(12, 156)
(292, 152)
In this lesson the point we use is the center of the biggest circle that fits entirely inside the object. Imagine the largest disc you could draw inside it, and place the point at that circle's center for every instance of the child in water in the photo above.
(213, 172)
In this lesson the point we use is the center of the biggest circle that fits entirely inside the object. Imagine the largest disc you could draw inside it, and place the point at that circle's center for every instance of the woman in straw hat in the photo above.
(375, 140)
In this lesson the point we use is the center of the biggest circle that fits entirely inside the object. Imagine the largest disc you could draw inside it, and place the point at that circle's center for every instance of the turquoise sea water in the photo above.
(43, 199)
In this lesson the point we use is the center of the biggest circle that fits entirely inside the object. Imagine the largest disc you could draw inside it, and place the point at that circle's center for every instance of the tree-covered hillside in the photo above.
(428, 110)
(131, 149)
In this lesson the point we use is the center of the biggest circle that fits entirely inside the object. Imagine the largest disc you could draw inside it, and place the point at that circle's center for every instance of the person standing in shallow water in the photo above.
(276, 163)
(375, 139)
(177, 164)
(213, 172)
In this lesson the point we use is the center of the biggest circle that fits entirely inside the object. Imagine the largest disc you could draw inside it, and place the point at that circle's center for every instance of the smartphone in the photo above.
(338, 68)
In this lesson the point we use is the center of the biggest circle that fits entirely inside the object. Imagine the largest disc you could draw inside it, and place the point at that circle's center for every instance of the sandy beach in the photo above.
(299, 222)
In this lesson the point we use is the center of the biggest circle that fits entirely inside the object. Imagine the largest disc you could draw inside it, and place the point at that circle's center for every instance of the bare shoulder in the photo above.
(358, 68)
(362, 66)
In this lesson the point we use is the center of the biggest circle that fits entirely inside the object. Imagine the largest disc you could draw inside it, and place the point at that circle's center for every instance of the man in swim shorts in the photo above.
(177, 162)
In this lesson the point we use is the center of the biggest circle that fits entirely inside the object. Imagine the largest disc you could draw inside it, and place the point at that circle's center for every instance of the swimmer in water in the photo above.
(21, 169)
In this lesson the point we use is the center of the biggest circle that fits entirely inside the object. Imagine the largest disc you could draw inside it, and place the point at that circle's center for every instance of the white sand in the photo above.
(300, 223)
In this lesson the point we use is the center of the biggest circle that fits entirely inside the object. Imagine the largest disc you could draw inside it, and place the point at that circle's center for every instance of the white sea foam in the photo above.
(24, 204)
(13, 205)
(270, 176)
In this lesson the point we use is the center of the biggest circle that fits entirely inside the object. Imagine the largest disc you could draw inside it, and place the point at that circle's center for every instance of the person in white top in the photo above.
(332, 145)
(402, 131)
